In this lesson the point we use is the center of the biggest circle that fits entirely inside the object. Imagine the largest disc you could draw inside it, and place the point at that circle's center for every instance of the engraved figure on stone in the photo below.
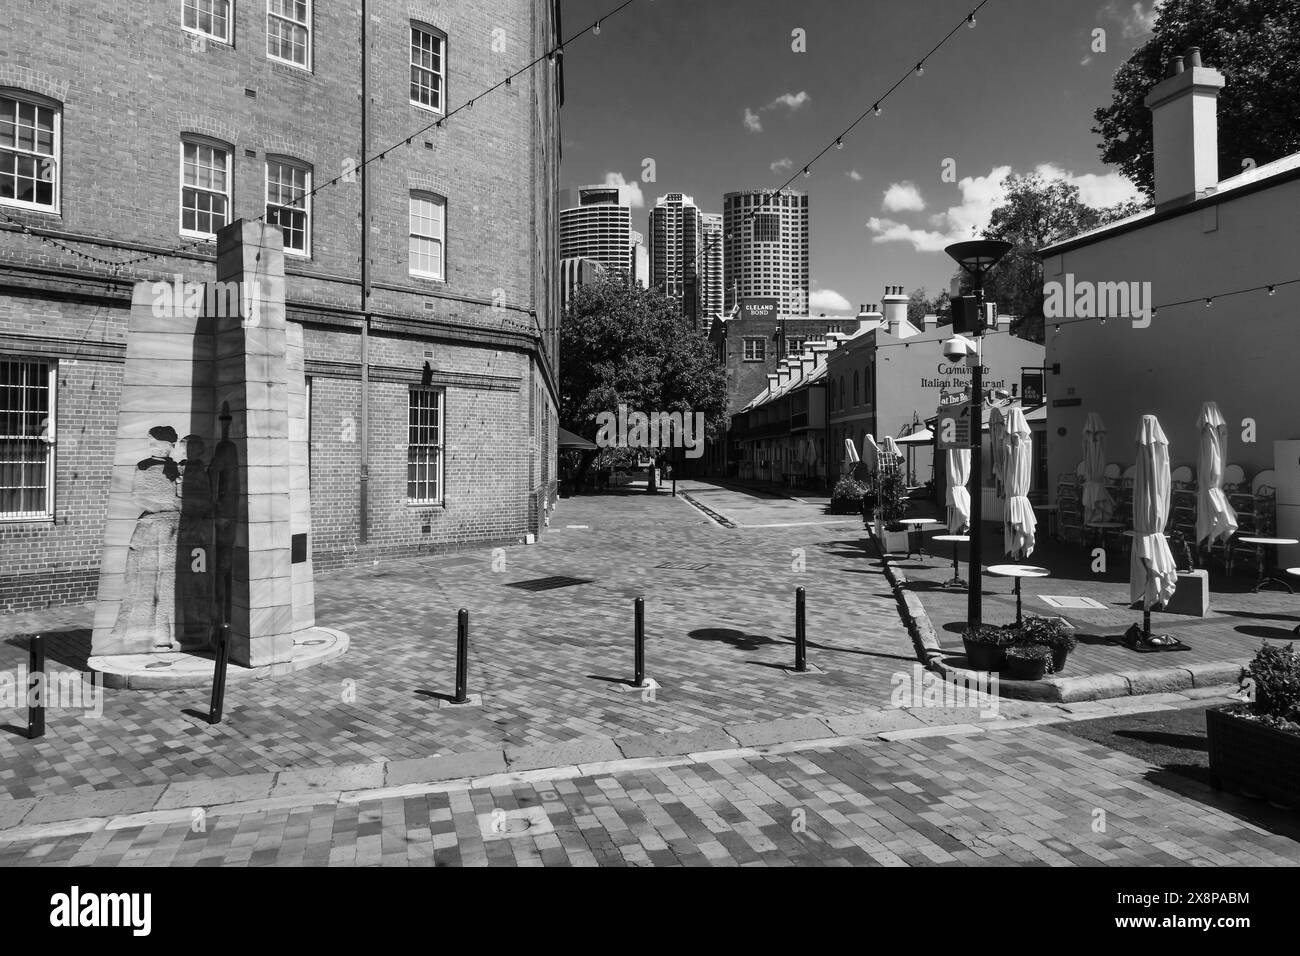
(194, 552)
(145, 617)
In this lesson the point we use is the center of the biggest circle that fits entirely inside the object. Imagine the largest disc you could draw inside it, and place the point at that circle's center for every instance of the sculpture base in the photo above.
(175, 670)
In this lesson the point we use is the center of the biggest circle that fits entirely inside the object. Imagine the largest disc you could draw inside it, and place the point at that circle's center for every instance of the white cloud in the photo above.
(854, 175)
(828, 300)
(903, 197)
(791, 101)
(629, 193)
(783, 165)
(980, 195)
(1135, 19)
(752, 122)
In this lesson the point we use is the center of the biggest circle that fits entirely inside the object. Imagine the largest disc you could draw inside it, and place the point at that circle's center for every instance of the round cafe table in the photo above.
(1267, 573)
(1018, 571)
(955, 581)
(915, 531)
(1101, 527)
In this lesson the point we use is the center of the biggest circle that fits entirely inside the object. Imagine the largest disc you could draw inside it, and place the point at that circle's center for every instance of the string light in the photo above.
(876, 109)
(839, 143)
(1272, 290)
(807, 172)
(1209, 302)
(595, 31)
(970, 21)
(920, 69)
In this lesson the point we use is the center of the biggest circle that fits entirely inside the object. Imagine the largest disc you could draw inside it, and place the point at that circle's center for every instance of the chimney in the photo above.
(1185, 129)
(869, 317)
(895, 308)
(771, 381)
(931, 322)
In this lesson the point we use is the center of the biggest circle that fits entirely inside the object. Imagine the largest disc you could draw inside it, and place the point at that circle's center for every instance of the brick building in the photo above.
(124, 146)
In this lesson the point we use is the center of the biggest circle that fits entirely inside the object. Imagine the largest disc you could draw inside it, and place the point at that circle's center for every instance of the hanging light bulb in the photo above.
(507, 81)
(1209, 302)
(970, 21)
(920, 69)
(1272, 290)
(839, 143)
(807, 171)
(1058, 326)
(595, 31)
(1154, 311)
(1103, 320)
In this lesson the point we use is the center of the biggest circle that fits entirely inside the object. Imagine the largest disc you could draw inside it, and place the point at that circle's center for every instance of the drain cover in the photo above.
(549, 584)
(505, 824)
(1071, 601)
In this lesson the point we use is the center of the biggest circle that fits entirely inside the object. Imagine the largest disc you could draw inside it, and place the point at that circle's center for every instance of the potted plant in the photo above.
(847, 496)
(1028, 661)
(1050, 632)
(1256, 746)
(985, 646)
(891, 508)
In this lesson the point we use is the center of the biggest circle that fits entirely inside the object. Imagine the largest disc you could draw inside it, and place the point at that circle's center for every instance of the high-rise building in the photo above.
(576, 272)
(431, 401)
(674, 251)
(635, 271)
(766, 256)
(598, 226)
(712, 295)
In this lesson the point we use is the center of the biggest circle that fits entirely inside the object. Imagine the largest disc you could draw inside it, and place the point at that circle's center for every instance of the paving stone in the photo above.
(449, 767)
(356, 777)
(779, 731)
(209, 793)
(13, 811)
(589, 750)
(872, 722)
(99, 803)
(667, 744)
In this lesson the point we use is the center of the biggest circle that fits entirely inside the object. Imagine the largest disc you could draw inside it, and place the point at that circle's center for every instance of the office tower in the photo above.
(598, 226)
(576, 272)
(674, 251)
(711, 274)
(766, 256)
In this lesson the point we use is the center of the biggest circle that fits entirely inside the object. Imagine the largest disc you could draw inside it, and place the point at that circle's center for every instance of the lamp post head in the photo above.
(978, 256)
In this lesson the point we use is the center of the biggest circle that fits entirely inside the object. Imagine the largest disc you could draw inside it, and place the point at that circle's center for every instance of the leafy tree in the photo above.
(1254, 43)
(622, 344)
(920, 304)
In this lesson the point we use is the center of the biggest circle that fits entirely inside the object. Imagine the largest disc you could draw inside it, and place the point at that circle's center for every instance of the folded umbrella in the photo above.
(1215, 518)
(958, 496)
(1098, 505)
(998, 446)
(1020, 522)
(1152, 572)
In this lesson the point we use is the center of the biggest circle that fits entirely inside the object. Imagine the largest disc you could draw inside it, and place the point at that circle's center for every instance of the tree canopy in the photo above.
(1255, 44)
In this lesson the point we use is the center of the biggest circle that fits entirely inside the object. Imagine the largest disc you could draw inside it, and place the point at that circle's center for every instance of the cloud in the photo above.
(854, 175)
(752, 122)
(903, 197)
(783, 165)
(629, 193)
(828, 300)
(980, 195)
(791, 101)
(1135, 19)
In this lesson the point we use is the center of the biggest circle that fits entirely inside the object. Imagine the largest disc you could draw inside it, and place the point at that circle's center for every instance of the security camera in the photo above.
(958, 347)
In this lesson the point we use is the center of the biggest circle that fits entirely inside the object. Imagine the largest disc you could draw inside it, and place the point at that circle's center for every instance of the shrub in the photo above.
(1030, 653)
(1048, 632)
(847, 496)
(991, 635)
(892, 504)
(1276, 673)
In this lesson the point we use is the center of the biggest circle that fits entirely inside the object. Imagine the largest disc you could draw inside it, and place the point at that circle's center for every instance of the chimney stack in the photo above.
(1185, 129)
(895, 308)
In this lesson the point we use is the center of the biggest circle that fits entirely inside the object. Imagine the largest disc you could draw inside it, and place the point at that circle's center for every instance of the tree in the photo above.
(1035, 213)
(621, 344)
(1254, 43)
(920, 304)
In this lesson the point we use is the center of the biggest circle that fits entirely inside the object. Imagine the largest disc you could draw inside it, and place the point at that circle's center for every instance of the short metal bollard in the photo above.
(36, 682)
(218, 702)
(800, 632)
(638, 674)
(462, 656)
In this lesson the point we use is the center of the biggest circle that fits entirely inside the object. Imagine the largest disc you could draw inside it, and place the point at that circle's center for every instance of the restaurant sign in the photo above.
(954, 426)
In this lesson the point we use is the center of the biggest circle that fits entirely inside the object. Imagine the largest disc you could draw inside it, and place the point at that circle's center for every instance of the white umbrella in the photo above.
(872, 452)
(850, 457)
(1020, 521)
(1098, 505)
(891, 447)
(998, 445)
(1214, 516)
(958, 461)
(1152, 573)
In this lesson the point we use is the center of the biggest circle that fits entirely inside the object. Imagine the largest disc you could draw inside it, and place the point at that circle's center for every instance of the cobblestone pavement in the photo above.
(1028, 796)
(719, 622)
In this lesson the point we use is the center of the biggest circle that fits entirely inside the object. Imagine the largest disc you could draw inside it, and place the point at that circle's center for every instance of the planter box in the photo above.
(893, 542)
(1249, 756)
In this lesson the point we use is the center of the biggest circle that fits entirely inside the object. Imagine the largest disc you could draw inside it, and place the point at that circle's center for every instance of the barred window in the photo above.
(755, 349)
(428, 234)
(288, 31)
(428, 53)
(287, 203)
(29, 153)
(205, 188)
(27, 392)
(208, 17)
(424, 446)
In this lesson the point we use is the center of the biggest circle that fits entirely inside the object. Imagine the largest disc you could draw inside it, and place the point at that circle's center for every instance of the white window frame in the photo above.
(49, 438)
(441, 72)
(53, 161)
(228, 39)
(305, 24)
(440, 201)
(754, 348)
(200, 141)
(440, 446)
(305, 208)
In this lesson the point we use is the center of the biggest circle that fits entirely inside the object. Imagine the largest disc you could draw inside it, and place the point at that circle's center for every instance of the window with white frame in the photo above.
(27, 391)
(288, 204)
(205, 188)
(29, 152)
(796, 345)
(428, 67)
(428, 235)
(424, 446)
(755, 349)
(211, 18)
(288, 31)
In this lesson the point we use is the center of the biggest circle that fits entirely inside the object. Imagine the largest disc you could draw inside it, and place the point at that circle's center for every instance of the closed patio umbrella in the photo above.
(1214, 516)
(1152, 573)
(998, 446)
(958, 464)
(1098, 505)
(1020, 521)
(850, 457)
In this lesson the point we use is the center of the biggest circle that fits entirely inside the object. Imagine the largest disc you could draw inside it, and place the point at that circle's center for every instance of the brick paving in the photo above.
(1029, 796)
(546, 662)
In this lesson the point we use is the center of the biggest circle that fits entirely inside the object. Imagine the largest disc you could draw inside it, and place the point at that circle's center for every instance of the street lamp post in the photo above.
(977, 257)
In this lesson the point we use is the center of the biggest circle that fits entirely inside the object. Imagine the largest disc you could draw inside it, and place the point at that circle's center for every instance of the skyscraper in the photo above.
(712, 296)
(674, 250)
(598, 227)
(766, 256)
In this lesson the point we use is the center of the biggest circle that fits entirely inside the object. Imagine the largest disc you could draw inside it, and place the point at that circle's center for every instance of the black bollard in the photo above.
(800, 633)
(462, 656)
(638, 676)
(36, 688)
(218, 702)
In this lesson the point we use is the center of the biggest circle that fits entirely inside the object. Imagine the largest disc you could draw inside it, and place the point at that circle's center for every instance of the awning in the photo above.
(571, 441)
(922, 437)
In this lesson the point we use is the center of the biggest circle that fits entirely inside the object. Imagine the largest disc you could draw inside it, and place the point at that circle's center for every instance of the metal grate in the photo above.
(1072, 602)
(549, 584)
(680, 566)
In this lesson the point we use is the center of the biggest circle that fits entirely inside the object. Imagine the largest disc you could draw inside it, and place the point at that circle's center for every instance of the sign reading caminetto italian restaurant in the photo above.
(959, 370)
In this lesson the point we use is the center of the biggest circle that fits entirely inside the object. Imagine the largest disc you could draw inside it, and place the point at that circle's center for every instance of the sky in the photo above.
(709, 96)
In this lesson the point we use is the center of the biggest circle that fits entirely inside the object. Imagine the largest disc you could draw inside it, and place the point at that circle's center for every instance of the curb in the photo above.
(924, 638)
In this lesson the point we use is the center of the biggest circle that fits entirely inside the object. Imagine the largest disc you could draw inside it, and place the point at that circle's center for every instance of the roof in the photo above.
(567, 439)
